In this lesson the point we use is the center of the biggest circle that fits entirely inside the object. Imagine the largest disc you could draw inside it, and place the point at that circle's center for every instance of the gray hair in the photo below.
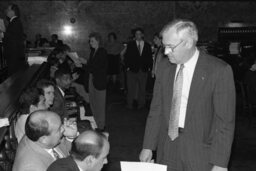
(186, 27)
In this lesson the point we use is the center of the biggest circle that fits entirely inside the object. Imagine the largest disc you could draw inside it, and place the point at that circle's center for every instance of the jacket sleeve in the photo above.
(153, 120)
(224, 116)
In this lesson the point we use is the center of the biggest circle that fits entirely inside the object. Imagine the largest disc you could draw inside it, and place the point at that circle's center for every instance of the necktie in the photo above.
(173, 130)
(139, 47)
(55, 153)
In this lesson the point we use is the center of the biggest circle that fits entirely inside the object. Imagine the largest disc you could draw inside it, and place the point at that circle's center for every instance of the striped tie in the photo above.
(173, 130)
(56, 154)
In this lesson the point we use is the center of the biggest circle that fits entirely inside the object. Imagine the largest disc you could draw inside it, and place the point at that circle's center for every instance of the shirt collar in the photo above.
(62, 92)
(192, 61)
(13, 18)
(80, 169)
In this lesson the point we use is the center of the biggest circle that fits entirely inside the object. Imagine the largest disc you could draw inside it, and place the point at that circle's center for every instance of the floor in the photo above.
(126, 128)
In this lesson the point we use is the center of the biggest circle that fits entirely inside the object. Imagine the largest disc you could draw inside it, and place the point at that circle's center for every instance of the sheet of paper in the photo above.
(141, 166)
(74, 56)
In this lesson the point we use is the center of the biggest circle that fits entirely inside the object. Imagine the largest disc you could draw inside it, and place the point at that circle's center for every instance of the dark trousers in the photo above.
(136, 87)
(175, 155)
(97, 100)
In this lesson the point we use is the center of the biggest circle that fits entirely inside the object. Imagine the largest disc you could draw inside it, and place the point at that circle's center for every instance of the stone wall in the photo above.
(48, 17)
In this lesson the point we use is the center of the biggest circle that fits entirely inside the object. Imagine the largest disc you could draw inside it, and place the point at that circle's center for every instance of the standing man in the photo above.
(192, 115)
(13, 43)
(138, 60)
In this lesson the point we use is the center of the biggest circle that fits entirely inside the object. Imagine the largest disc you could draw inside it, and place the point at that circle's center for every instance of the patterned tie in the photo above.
(173, 130)
(56, 154)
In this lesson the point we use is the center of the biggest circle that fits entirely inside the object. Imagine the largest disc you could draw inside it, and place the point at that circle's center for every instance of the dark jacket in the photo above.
(97, 66)
(64, 164)
(14, 47)
(134, 61)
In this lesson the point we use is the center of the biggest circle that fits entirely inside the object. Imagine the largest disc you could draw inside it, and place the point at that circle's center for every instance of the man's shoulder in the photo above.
(26, 156)
(64, 164)
(212, 61)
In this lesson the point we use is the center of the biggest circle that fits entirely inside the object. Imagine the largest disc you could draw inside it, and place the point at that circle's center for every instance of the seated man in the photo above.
(45, 141)
(30, 100)
(63, 82)
(88, 153)
(47, 87)
(55, 42)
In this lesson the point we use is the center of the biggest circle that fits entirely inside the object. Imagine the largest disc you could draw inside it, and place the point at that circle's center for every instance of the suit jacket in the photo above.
(31, 157)
(64, 164)
(134, 61)
(14, 47)
(210, 116)
(97, 66)
(59, 103)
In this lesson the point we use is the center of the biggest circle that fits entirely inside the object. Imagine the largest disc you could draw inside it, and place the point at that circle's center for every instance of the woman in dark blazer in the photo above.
(97, 66)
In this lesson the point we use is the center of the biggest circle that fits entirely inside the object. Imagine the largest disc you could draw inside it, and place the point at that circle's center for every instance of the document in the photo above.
(76, 59)
(142, 166)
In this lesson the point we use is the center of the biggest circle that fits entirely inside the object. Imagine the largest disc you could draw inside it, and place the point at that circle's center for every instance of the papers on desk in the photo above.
(4, 122)
(142, 166)
(36, 60)
(2, 26)
(2, 29)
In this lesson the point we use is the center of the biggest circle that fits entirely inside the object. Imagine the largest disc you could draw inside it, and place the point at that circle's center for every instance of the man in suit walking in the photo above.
(13, 43)
(138, 61)
(88, 153)
(46, 140)
(192, 115)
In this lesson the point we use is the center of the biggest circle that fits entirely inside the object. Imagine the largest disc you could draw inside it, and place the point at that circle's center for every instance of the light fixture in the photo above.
(67, 30)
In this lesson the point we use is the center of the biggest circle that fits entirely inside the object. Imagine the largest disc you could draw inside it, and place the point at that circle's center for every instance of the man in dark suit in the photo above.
(88, 153)
(13, 43)
(192, 115)
(63, 82)
(138, 61)
(46, 140)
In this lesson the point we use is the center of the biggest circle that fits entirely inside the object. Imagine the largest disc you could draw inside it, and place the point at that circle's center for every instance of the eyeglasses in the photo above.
(172, 48)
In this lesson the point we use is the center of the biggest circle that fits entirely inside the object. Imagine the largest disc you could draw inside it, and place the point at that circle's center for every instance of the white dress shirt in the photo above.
(188, 72)
(141, 43)
(51, 153)
(12, 18)
(62, 92)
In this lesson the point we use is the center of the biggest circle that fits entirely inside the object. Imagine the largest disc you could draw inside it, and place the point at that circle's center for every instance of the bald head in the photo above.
(88, 143)
(38, 124)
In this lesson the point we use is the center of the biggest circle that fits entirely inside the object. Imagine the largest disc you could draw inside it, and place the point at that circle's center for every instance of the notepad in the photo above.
(142, 166)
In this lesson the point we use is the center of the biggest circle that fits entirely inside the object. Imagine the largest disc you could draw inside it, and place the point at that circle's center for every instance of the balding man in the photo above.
(88, 153)
(45, 141)
(192, 115)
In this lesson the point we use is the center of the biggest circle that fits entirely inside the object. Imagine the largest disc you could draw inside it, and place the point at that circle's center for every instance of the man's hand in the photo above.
(70, 128)
(146, 155)
(217, 168)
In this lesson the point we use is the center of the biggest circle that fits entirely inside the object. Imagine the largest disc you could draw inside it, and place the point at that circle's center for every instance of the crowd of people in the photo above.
(192, 110)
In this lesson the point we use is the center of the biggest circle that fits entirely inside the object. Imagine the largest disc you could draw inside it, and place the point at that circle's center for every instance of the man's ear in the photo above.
(43, 140)
(90, 160)
(32, 108)
(189, 43)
